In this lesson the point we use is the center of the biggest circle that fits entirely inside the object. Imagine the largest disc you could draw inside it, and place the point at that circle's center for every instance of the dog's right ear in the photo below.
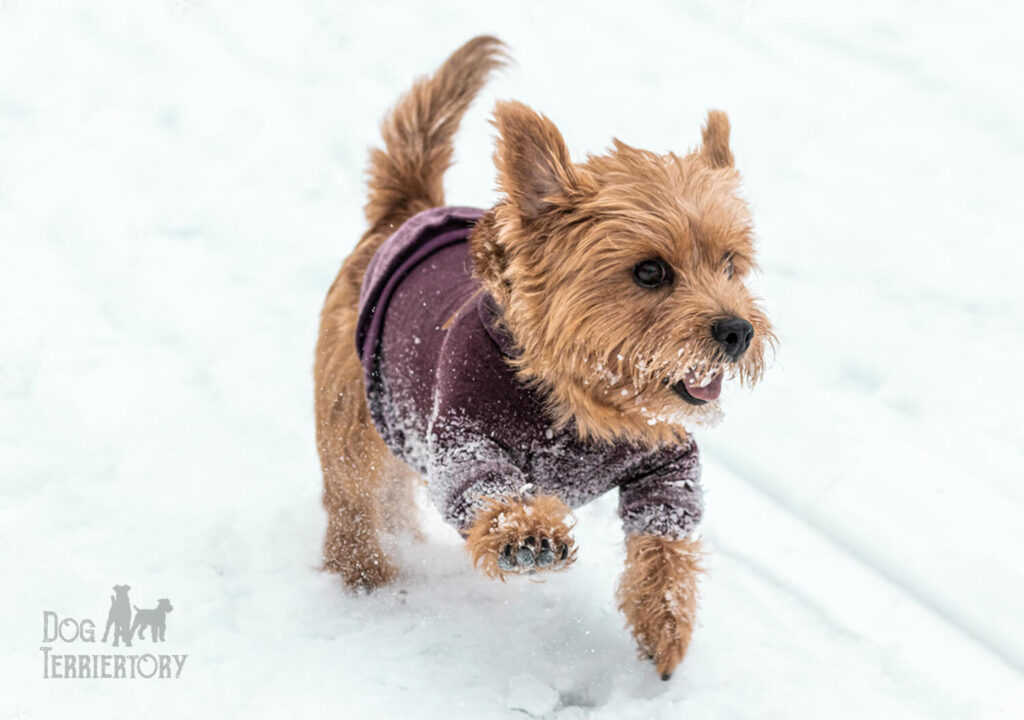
(534, 168)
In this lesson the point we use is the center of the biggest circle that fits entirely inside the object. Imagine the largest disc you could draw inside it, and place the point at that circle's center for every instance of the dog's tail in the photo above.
(406, 176)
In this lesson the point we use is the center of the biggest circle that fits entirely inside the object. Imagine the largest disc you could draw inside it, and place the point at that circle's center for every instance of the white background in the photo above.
(179, 182)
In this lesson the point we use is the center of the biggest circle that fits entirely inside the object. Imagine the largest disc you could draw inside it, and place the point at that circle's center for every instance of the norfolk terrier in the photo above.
(526, 359)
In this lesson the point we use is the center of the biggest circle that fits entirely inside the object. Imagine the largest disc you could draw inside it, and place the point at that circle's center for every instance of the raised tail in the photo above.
(406, 176)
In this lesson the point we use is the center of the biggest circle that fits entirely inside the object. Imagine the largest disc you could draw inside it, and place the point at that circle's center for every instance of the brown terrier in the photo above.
(531, 357)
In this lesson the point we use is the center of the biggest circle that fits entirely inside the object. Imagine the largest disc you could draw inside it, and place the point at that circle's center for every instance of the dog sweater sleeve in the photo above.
(665, 497)
(466, 468)
(477, 425)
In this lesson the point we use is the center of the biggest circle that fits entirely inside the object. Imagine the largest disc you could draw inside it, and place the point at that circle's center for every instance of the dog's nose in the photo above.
(734, 335)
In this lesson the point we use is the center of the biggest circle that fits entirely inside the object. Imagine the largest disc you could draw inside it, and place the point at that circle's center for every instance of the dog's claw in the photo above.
(545, 558)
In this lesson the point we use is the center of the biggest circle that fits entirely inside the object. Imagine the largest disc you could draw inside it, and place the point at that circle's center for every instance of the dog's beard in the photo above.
(681, 389)
(686, 416)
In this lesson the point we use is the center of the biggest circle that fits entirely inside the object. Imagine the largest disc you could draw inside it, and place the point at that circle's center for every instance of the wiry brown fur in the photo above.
(658, 595)
(557, 254)
(510, 521)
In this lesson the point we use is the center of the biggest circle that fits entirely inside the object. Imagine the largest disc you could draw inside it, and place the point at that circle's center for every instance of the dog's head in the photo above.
(623, 278)
(164, 604)
(122, 590)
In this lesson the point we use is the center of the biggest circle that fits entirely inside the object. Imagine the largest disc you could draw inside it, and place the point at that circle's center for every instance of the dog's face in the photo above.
(164, 604)
(623, 278)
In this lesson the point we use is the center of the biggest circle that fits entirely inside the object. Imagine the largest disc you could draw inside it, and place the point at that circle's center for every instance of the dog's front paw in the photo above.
(658, 594)
(522, 537)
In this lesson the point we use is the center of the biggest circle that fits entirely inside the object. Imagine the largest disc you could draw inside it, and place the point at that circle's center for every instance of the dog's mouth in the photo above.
(699, 388)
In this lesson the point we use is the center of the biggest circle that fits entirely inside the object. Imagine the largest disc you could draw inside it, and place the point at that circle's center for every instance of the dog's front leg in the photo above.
(658, 594)
(482, 492)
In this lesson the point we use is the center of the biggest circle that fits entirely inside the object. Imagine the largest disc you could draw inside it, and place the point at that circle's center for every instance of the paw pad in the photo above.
(530, 556)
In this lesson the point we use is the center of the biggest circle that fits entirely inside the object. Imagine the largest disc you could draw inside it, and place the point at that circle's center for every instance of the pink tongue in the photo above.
(709, 392)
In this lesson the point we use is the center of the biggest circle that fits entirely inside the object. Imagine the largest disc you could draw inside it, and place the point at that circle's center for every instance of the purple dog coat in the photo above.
(445, 400)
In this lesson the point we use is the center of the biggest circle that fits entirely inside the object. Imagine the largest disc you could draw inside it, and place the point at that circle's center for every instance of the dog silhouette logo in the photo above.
(119, 617)
(154, 618)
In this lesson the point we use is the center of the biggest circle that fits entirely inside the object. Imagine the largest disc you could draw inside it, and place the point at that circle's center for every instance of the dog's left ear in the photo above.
(715, 146)
(534, 168)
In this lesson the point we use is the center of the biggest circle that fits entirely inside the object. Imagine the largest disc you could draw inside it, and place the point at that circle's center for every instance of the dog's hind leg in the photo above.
(354, 479)
(356, 464)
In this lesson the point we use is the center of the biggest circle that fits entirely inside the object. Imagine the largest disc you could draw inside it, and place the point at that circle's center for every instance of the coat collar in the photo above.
(492, 317)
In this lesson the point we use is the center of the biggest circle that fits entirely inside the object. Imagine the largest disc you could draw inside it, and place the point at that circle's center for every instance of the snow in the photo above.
(178, 184)
(529, 694)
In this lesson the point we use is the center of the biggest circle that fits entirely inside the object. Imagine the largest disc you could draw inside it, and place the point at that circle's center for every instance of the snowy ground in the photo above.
(178, 184)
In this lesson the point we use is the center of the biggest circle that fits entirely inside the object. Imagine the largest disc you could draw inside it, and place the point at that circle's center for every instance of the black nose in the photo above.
(734, 334)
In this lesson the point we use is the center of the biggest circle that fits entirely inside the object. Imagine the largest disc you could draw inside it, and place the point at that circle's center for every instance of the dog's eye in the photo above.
(651, 273)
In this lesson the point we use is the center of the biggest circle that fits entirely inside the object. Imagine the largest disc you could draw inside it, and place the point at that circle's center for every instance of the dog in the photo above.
(528, 358)
(119, 616)
(153, 618)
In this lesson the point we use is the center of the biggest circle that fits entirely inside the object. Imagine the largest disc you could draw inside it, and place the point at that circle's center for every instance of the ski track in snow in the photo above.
(178, 184)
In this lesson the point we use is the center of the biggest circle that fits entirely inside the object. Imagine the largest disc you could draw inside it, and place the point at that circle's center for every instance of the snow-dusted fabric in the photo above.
(445, 400)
